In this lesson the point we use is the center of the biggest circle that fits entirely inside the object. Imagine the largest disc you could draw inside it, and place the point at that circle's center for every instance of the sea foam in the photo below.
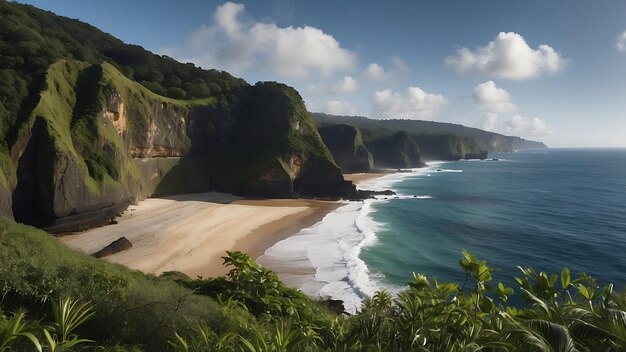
(331, 248)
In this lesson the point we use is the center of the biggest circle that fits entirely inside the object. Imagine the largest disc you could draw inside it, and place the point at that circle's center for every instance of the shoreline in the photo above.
(363, 177)
(323, 260)
(298, 273)
(190, 233)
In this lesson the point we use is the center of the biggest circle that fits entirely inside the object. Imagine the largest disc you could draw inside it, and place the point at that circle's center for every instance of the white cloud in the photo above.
(412, 104)
(234, 44)
(507, 56)
(490, 121)
(521, 125)
(492, 98)
(377, 73)
(346, 85)
(339, 108)
(620, 44)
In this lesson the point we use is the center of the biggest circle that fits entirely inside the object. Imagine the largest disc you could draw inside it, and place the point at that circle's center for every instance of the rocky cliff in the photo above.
(345, 142)
(95, 141)
(396, 151)
(449, 147)
(436, 140)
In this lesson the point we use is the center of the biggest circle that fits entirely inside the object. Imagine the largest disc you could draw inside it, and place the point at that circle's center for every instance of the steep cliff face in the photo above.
(293, 161)
(96, 141)
(449, 147)
(396, 151)
(345, 142)
(436, 140)
(7, 181)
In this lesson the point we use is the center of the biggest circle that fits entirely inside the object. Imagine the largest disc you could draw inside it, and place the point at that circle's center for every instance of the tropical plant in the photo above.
(15, 329)
(68, 316)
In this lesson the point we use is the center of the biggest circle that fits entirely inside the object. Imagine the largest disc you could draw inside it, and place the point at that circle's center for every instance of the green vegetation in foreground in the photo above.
(56, 299)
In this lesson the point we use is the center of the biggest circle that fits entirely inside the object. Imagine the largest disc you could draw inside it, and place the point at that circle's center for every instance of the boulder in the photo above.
(120, 244)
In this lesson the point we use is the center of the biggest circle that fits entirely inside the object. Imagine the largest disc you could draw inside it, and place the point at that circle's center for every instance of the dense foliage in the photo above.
(56, 299)
(32, 39)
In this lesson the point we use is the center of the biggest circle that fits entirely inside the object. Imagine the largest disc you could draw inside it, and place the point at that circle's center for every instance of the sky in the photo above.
(553, 71)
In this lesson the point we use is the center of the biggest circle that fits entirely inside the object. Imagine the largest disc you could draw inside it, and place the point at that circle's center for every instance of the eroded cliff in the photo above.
(345, 142)
(96, 141)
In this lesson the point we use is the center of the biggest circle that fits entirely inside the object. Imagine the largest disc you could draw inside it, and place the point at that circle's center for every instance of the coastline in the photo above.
(358, 179)
(190, 233)
(296, 272)
(323, 260)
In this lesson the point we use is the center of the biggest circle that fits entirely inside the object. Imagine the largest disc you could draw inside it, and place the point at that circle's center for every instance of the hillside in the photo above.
(436, 140)
(109, 307)
(90, 125)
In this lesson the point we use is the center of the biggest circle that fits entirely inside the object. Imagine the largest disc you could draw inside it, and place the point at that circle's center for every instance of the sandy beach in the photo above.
(190, 233)
(359, 178)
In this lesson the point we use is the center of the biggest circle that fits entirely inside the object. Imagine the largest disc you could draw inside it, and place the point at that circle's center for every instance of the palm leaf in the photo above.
(556, 336)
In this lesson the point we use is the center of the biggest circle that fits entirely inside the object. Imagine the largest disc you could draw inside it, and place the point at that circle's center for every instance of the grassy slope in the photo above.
(74, 132)
(128, 303)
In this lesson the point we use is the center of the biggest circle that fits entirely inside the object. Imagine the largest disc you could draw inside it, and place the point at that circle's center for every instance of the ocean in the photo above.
(545, 209)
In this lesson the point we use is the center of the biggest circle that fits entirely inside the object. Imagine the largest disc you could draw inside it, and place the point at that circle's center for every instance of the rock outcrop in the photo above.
(119, 245)
(396, 151)
(448, 147)
(345, 142)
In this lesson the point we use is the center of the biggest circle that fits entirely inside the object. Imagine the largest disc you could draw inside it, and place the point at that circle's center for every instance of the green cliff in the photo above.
(345, 142)
(90, 125)
(435, 140)
(398, 150)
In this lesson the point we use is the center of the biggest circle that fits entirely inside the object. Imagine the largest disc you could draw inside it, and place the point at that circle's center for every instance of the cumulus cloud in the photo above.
(620, 44)
(345, 85)
(492, 98)
(235, 44)
(377, 73)
(335, 107)
(414, 103)
(521, 125)
(507, 56)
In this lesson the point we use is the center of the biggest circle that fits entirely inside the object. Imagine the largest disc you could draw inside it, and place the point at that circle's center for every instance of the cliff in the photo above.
(96, 141)
(89, 124)
(396, 151)
(345, 142)
(435, 140)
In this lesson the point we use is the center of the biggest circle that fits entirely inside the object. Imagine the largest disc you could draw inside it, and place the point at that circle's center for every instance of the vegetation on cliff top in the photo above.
(251, 310)
(33, 40)
(436, 140)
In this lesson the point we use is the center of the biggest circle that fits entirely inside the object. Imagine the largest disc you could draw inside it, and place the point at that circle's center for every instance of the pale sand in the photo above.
(190, 233)
(359, 178)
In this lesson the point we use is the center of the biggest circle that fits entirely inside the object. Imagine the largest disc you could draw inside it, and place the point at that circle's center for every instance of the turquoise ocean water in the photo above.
(545, 209)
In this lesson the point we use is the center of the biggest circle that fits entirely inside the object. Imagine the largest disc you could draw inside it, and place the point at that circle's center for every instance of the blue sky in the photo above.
(547, 70)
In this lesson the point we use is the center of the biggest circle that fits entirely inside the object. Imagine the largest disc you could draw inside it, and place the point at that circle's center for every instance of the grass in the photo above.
(73, 298)
(141, 309)
(73, 96)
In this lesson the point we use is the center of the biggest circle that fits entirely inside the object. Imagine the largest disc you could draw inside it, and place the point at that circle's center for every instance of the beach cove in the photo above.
(190, 233)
